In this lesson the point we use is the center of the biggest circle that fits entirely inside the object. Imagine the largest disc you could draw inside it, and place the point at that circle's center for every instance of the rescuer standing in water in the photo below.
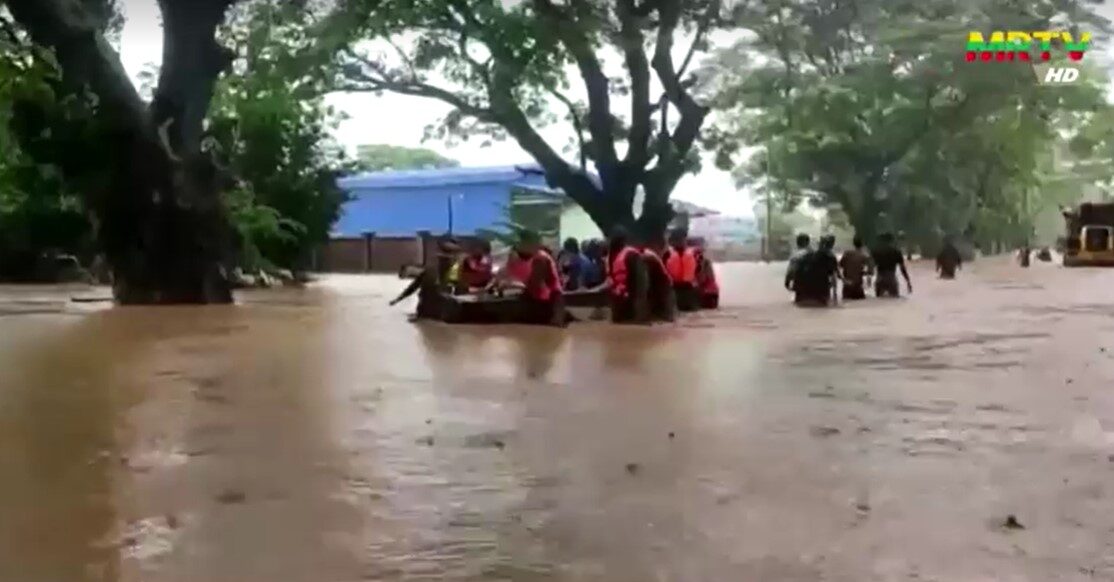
(948, 261)
(888, 259)
(681, 263)
(660, 294)
(625, 279)
(855, 270)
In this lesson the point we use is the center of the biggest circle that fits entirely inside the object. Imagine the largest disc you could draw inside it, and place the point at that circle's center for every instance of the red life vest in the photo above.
(551, 286)
(617, 272)
(518, 268)
(681, 266)
(476, 272)
(658, 265)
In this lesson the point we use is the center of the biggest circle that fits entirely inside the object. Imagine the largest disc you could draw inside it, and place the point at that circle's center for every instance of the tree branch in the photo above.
(577, 124)
(630, 37)
(600, 123)
(692, 113)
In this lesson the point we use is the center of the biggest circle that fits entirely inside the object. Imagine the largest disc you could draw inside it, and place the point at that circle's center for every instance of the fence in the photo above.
(376, 254)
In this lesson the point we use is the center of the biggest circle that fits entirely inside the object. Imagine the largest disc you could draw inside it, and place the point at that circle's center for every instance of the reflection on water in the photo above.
(317, 436)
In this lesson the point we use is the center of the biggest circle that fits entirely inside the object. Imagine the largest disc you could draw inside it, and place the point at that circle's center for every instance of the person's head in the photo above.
(886, 238)
(528, 243)
(827, 242)
(618, 238)
(571, 246)
(857, 242)
(803, 241)
(678, 237)
(695, 242)
(479, 247)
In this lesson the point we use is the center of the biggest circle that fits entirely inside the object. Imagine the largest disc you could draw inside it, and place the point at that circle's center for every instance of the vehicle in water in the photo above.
(1090, 235)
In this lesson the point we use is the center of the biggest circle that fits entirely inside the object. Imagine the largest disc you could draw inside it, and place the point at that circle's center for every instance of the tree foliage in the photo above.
(505, 67)
(275, 134)
(380, 157)
(870, 106)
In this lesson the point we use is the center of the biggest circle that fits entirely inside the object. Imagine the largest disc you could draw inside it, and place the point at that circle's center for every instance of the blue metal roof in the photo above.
(438, 177)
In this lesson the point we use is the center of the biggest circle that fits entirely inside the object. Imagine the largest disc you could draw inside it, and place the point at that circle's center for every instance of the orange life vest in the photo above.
(682, 265)
(617, 272)
(551, 286)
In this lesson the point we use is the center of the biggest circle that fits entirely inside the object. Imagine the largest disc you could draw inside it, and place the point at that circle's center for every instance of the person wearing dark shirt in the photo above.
(855, 270)
(432, 285)
(803, 244)
(595, 264)
(949, 260)
(661, 298)
(817, 275)
(887, 260)
(572, 265)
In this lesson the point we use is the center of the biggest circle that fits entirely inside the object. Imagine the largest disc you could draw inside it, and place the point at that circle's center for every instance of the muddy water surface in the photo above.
(317, 436)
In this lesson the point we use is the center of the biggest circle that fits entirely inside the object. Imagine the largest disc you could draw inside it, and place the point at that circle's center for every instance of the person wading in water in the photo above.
(533, 270)
(434, 283)
(660, 294)
(856, 270)
(802, 251)
(680, 260)
(949, 260)
(817, 274)
(888, 259)
(626, 279)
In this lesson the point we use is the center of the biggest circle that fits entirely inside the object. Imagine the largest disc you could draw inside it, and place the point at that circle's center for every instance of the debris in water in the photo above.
(862, 507)
(1068, 381)
(500, 445)
(632, 468)
(429, 421)
(823, 431)
(671, 434)
(428, 441)
(1012, 523)
(230, 496)
(172, 521)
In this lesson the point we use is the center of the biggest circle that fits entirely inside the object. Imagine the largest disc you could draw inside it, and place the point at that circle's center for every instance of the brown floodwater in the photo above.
(315, 435)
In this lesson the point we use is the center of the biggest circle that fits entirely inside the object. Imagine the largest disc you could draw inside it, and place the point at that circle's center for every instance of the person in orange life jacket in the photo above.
(532, 269)
(682, 265)
(706, 285)
(661, 300)
(626, 279)
(476, 270)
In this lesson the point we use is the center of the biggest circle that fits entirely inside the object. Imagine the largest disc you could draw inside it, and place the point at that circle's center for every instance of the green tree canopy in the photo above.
(379, 157)
(505, 67)
(871, 107)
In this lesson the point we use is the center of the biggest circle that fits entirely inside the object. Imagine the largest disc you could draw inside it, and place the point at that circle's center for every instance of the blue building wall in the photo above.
(399, 203)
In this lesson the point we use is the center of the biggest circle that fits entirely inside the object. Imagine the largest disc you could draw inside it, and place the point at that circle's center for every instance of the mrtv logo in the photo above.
(1044, 50)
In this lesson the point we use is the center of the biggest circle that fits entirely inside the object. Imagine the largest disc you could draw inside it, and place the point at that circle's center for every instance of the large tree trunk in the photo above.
(159, 218)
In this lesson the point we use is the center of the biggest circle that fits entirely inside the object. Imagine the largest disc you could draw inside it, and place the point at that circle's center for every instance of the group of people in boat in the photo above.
(815, 275)
(640, 280)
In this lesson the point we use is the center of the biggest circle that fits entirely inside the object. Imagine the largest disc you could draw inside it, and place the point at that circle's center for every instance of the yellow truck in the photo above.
(1090, 235)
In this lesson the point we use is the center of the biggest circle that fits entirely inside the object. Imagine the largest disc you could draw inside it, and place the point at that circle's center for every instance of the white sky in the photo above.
(400, 120)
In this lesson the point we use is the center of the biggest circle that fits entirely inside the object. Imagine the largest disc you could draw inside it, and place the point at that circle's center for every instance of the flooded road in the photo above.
(317, 436)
